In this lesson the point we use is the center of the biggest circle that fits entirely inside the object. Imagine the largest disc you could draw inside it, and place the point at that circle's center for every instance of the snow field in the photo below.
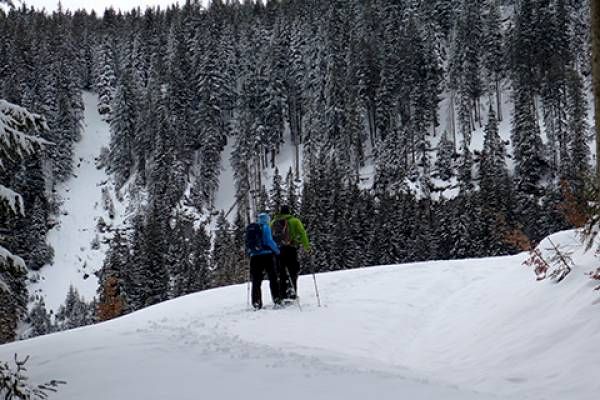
(470, 329)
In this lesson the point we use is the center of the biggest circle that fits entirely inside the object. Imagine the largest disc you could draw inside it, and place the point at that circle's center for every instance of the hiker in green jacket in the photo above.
(289, 234)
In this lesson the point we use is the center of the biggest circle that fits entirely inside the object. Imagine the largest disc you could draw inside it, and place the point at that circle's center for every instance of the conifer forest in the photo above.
(417, 130)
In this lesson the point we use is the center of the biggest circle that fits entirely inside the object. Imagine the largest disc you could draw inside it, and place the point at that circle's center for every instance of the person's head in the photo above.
(263, 218)
(284, 209)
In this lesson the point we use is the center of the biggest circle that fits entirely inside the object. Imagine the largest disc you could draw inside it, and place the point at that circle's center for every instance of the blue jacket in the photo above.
(267, 239)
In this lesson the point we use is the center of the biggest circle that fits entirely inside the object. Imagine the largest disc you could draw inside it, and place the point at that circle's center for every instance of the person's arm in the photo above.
(303, 237)
(268, 239)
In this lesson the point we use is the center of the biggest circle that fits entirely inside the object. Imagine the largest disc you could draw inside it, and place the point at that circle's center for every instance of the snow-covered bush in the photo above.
(15, 385)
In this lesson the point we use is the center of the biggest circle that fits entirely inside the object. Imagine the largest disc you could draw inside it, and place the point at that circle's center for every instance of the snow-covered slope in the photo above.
(74, 259)
(471, 329)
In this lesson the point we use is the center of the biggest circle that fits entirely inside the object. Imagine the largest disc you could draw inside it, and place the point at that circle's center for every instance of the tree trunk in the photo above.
(596, 75)
(452, 118)
(372, 128)
(498, 100)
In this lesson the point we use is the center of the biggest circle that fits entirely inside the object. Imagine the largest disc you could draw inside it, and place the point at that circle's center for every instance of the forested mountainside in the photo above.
(430, 129)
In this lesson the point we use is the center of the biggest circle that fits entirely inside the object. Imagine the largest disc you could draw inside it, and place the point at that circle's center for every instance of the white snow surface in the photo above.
(74, 259)
(469, 329)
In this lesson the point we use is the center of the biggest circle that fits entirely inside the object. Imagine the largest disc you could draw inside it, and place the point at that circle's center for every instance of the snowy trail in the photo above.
(72, 237)
(471, 329)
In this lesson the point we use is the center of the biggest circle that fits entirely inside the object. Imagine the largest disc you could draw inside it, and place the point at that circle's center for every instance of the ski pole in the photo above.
(312, 267)
(248, 289)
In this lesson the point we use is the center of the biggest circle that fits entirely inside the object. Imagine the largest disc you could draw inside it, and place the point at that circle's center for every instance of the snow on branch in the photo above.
(12, 198)
(14, 122)
(7, 256)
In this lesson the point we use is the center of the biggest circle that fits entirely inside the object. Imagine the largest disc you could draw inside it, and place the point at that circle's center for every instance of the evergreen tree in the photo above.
(123, 126)
(105, 78)
(579, 151)
(291, 189)
(277, 192)
(39, 319)
(223, 260)
(200, 273)
(493, 59)
(444, 163)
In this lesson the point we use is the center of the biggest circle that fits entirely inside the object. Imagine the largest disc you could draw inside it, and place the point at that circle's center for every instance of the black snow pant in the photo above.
(258, 265)
(288, 269)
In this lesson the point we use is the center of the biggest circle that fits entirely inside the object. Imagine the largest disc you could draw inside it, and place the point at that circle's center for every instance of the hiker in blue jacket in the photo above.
(263, 259)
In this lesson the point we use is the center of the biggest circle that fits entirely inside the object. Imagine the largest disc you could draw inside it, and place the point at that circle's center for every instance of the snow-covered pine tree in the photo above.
(200, 277)
(39, 320)
(123, 127)
(15, 142)
(75, 312)
(277, 195)
(578, 128)
(222, 259)
(105, 77)
(444, 163)
(212, 95)
(291, 189)
(495, 187)
(494, 56)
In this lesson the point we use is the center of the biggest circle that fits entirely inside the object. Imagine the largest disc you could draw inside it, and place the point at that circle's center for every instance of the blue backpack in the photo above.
(254, 239)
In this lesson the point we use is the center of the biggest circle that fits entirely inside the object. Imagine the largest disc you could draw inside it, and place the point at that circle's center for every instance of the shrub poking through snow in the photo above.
(561, 261)
(554, 262)
(596, 275)
(14, 384)
(538, 262)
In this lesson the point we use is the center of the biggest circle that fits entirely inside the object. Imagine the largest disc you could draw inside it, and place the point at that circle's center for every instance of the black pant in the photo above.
(288, 263)
(258, 265)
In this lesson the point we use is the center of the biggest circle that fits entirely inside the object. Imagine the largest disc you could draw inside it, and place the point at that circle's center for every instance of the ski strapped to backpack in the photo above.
(254, 238)
(281, 232)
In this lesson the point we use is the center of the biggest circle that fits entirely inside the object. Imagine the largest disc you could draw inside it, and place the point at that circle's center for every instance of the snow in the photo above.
(12, 198)
(6, 255)
(74, 259)
(469, 329)
(12, 117)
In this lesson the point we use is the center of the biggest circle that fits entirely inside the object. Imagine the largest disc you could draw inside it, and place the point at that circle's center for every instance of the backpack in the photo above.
(254, 238)
(281, 232)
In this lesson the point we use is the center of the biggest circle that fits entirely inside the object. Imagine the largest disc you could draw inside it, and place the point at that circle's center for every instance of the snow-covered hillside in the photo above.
(471, 329)
(75, 261)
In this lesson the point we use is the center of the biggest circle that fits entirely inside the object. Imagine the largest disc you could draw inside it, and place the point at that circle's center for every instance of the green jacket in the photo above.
(296, 229)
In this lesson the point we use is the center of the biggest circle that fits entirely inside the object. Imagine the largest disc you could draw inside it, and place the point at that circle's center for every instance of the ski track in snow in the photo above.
(470, 329)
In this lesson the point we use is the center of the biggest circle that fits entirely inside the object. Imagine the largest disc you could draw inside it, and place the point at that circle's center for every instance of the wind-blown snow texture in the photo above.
(471, 329)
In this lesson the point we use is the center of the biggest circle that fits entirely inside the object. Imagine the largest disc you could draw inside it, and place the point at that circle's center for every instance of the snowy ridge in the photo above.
(469, 329)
